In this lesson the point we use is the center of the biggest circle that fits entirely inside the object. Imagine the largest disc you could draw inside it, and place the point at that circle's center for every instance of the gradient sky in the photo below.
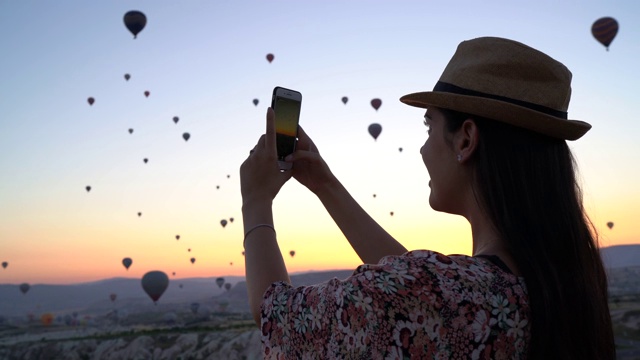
(204, 61)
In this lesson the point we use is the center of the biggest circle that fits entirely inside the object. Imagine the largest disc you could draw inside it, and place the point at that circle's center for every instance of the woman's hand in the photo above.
(308, 166)
(260, 175)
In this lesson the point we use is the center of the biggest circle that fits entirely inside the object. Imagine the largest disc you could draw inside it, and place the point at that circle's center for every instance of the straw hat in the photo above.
(505, 80)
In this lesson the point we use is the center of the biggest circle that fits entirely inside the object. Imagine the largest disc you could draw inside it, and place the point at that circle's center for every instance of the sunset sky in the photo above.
(205, 62)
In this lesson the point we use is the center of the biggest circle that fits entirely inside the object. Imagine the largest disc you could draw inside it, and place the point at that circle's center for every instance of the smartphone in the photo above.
(286, 105)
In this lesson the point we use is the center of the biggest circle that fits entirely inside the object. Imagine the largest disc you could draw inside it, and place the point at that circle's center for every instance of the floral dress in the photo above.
(419, 305)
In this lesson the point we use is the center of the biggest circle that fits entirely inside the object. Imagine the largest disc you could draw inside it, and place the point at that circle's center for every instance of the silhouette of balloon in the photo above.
(46, 319)
(391, 213)
(24, 288)
(130, 131)
(375, 130)
(217, 187)
(400, 149)
(223, 222)
(270, 58)
(292, 253)
(605, 30)
(91, 100)
(194, 307)
(135, 21)
(255, 102)
(176, 119)
(181, 286)
(189, 249)
(376, 103)
(230, 219)
(220, 281)
(113, 297)
(127, 77)
(145, 160)
(154, 283)
(610, 225)
(374, 196)
(147, 93)
(177, 237)
(227, 286)
(5, 264)
(228, 176)
(127, 262)
(345, 100)
(139, 214)
(193, 260)
(186, 136)
(88, 188)
(173, 273)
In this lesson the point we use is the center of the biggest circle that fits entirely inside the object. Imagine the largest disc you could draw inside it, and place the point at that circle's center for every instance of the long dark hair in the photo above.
(526, 182)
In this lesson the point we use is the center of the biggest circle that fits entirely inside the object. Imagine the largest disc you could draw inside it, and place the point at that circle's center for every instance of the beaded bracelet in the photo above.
(255, 227)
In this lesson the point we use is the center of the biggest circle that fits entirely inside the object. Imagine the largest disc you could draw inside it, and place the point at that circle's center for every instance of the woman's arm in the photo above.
(260, 182)
(369, 240)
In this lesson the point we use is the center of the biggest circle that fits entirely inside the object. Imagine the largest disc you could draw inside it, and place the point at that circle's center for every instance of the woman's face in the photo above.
(440, 159)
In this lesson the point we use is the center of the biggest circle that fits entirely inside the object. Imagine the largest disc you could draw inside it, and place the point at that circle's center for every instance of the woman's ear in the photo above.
(466, 140)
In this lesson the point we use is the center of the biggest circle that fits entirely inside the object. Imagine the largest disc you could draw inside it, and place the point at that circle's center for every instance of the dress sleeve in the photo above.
(332, 318)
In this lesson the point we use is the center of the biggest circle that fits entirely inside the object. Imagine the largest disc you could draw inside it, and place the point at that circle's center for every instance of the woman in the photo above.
(496, 154)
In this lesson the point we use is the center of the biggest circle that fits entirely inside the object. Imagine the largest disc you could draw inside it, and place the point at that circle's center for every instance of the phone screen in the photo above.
(287, 113)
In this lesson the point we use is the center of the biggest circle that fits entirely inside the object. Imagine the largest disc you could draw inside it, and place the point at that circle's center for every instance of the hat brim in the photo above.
(501, 111)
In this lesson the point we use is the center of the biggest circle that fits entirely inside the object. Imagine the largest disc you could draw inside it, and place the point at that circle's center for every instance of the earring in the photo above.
(459, 157)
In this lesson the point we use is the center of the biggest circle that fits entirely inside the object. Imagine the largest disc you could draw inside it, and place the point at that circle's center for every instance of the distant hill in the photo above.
(93, 298)
(621, 256)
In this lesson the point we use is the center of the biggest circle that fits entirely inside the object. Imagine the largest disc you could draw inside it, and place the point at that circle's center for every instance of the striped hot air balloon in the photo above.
(605, 30)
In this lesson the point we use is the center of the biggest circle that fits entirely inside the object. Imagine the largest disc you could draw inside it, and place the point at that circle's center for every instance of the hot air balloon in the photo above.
(220, 281)
(189, 249)
(24, 288)
(135, 22)
(255, 102)
(344, 100)
(391, 213)
(177, 237)
(127, 262)
(145, 160)
(269, 58)
(610, 225)
(91, 100)
(5, 264)
(186, 136)
(376, 103)
(88, 188)
(130, 131)
(154, 284)
(139, 214)
(194, 307)
(113, 297)
(193, 260)
(400, 149)
(46, 319)
(127, 77)
(605, 30)
(147, 93)
(375, 130)
(228, 176)
(227, 286)
(374, 196)
(292, 253)
(223, 222)
(180, 286)
(217, 187)
(176, 119)
(230, 219)
(173, 273)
